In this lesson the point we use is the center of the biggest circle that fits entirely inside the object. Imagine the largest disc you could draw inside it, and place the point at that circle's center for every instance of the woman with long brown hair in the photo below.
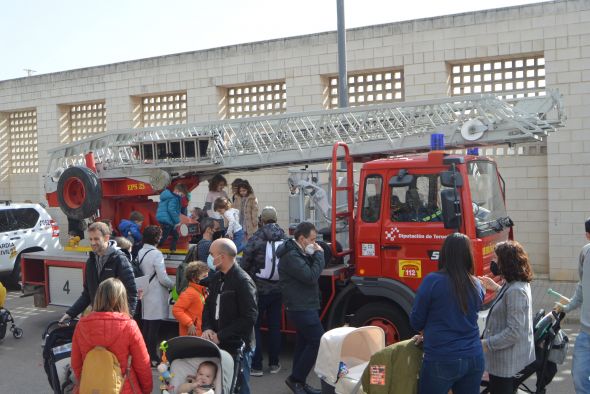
(110, 326)
(508, 336)
(445, 309)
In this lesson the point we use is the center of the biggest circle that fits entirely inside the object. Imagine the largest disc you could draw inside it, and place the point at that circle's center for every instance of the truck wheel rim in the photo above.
(74, 193)
(391, 332)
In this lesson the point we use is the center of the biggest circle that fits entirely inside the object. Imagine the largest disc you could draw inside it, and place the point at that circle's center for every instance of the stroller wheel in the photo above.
(17, 333)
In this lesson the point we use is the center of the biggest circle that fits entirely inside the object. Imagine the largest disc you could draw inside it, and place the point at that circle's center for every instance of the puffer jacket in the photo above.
(254, 257)
(117, 265)
(128, 228)
(119, 334)
(298, 277)
(248, 207)
(189, 308)
(169, 208)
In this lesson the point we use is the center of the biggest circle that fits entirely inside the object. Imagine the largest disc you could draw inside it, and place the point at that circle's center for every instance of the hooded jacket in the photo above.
(189, 308)
(113, 264)
(129, 228)
(169, 208)
(254, 257)
(298, 277)
(119, 334)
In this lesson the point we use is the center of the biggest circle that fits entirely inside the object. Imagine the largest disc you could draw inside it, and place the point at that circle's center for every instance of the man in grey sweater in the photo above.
(581, 361)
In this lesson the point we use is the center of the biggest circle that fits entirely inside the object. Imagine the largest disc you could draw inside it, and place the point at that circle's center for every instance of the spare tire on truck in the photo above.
(79, 192)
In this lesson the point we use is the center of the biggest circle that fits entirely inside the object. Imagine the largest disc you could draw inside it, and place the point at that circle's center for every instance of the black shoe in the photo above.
(310, 390)
(296, 387)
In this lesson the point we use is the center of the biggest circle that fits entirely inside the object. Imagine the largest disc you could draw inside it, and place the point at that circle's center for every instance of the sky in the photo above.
(50, 36)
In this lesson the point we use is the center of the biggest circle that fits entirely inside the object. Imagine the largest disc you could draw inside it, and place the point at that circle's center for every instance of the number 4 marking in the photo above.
(66, 287)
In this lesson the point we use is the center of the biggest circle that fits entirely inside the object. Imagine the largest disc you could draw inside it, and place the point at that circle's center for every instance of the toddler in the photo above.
(234, 229)
(202, 382)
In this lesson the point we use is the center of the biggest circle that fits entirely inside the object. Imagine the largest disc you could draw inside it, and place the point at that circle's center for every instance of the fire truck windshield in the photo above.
(488, 204)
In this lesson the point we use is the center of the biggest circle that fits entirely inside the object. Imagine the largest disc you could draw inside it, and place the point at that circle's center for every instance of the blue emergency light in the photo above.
(437, 141)
(473, 151)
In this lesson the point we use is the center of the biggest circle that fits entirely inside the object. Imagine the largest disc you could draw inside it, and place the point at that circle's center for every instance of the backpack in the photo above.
(271, 262)
(101, 372)
(136, 265)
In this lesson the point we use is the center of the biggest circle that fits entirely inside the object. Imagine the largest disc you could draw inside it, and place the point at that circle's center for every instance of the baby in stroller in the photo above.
(216, 370)
(202, 382)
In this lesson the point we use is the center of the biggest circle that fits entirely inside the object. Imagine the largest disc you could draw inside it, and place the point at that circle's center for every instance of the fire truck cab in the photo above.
(407, 206)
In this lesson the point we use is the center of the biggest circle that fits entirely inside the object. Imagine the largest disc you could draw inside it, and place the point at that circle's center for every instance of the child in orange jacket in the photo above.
(188, 309)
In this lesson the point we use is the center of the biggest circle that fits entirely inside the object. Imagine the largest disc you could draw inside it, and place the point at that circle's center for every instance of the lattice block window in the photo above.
(510, 78)
(261, 99)
(164, 109)
(375, 87)
(24, 156)
(87, 119)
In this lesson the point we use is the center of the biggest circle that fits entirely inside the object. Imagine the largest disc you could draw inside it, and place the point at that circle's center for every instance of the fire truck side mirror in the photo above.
(451, 179)
(451, 209)
(401, 179)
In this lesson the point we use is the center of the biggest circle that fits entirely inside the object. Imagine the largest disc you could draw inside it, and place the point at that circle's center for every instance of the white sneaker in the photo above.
(256, 372)
(275, 368)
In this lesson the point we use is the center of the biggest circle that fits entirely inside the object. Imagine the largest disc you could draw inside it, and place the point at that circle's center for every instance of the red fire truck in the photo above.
(407, 201)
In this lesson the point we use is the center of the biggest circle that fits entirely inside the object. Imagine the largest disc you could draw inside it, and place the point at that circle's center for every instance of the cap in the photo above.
(268, 214)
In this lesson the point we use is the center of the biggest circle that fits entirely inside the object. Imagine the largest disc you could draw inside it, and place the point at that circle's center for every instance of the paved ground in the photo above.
(22, 367)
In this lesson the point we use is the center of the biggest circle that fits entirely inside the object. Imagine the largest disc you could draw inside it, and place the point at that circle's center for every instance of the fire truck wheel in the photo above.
(390, 318)
(79, 192)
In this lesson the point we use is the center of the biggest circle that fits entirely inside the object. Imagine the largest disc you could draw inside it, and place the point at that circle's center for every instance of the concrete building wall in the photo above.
(558, 30)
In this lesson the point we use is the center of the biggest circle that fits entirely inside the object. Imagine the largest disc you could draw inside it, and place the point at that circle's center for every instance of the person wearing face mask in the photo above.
(211, 230)
(508, 340)
(230, 309)
(300, 267)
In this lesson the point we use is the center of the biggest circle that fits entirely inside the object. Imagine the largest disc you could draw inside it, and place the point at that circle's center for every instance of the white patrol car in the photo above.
(24, 228)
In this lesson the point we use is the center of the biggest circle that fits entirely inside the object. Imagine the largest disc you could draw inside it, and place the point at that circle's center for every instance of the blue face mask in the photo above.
(211, 262)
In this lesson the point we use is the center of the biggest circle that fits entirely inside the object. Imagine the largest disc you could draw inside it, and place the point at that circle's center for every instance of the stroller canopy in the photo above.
(347, 344)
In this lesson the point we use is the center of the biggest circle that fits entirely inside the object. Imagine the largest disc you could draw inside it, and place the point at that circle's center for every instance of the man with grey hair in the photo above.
(230, 309)
(105, 261)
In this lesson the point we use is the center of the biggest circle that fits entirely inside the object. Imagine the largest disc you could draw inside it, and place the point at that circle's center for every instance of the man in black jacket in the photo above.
(254, 262)
(105, 261)
(302, 262)
(230, 309)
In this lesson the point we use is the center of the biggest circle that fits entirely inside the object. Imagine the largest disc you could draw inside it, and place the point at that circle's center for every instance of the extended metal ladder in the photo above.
(466, 121)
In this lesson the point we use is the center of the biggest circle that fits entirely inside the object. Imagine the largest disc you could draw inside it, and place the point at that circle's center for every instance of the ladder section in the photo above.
(348, 214)
(252, 143)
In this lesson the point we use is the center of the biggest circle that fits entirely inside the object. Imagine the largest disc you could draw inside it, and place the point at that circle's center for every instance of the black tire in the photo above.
(79, 192)
(329, 258)
(15, 276)
(384, 314)
(17, 333)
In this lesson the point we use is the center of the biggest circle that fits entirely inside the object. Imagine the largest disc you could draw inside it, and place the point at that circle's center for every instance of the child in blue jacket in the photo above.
(168, 214)
(131, 229)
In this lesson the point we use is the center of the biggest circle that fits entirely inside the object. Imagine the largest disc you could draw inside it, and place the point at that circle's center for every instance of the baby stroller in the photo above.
(343, 356)
(5, 319)
(57, 349)
(551, 346)
(186, 353)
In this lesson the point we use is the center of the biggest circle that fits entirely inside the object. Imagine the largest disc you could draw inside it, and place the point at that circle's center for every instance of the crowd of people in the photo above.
(226, 302)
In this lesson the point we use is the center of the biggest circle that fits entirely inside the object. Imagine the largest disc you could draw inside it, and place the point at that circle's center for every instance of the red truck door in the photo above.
(412, 231)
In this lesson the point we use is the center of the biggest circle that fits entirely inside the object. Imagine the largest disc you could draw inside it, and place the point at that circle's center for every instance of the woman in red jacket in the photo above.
(188, 309)
(110, 326)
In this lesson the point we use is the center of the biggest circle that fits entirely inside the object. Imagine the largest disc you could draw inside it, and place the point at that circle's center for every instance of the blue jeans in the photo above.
(271, 305)
(245, 373)
(239, 240)
(463, 375)
(309, 331)
(167, 230)
(581, 364)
